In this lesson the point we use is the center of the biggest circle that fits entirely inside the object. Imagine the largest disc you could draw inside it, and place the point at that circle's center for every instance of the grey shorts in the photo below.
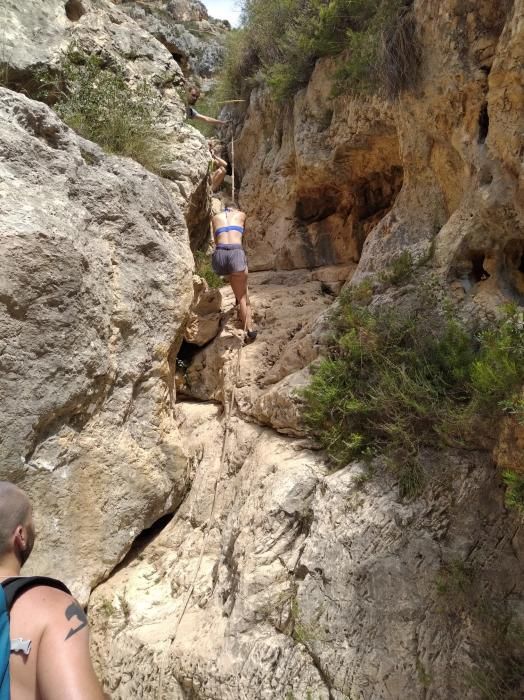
(228, 258)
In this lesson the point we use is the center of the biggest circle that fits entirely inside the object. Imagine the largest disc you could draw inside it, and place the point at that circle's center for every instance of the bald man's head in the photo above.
(16, 522)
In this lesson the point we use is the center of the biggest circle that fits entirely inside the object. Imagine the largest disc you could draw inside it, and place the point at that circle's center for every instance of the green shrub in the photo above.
(204, 270)
(400, 270)
(280, 41)
(100, 105)
(241, 64)
(400, 54)
(514, 490)
(499, 367)
(395, 382)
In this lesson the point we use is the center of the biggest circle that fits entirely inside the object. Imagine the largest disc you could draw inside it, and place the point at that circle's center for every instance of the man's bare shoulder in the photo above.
(57, 626)
(51, 607)
(52, 596)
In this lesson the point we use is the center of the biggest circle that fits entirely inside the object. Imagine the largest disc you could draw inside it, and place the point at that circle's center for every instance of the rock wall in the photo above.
(318, 175)
(458, 134)
(304, 583)
(315, 176)
(315, 584)
(96, 284)
(195, 40)
(35, 38)
(312, 584)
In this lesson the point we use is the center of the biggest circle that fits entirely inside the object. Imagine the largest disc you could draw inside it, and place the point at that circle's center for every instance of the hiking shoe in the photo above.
(251, 335)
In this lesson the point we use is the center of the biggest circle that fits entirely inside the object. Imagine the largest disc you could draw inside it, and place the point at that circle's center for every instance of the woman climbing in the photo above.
(218, 166)
(229, 260)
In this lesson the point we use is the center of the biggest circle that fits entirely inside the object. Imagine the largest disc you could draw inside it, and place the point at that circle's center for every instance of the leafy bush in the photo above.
(241, 64)
(395, 382)
(400, 54)
(499, 368)
(204, 270)
(514, 490)
(280, 41)
(400, 270)
(100, 105)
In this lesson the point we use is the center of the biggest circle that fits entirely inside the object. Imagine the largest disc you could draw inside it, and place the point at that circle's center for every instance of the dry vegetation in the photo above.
(279, 43)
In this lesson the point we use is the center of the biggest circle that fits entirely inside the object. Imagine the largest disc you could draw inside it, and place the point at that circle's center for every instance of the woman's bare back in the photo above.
(229, 217)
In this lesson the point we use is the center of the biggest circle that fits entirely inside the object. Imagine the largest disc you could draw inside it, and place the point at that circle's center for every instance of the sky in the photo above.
(224, 9)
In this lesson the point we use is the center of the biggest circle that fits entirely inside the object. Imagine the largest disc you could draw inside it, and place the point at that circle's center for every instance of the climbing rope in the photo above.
(233, 169)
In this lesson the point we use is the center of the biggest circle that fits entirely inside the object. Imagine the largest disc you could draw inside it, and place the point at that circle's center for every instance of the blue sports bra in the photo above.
(225, 229)
(229, 227)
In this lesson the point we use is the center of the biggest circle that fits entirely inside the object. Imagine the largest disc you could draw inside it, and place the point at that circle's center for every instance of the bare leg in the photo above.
(238, 282)
(217, 178)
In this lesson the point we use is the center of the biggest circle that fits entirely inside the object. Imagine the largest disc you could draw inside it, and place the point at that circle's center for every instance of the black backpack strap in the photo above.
(15, 587)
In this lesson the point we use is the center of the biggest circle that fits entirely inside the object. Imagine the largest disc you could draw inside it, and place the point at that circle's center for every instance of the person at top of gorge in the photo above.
(229, 260)
(47, 656)
(193, 94)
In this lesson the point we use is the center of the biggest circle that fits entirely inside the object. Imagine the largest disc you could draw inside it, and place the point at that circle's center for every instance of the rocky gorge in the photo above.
(261, 572)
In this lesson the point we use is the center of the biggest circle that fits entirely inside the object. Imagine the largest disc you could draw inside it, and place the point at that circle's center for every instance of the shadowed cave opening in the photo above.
(186, 354)
(183, 360)
(316, 205)
(483, 123)
(334, 221)
(374, 198)
(514, 267)
(142, 540)
(180, 59)
(74, 10)
(478, 272)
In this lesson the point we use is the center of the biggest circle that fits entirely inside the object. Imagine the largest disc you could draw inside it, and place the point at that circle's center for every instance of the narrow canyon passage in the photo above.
(377, 553)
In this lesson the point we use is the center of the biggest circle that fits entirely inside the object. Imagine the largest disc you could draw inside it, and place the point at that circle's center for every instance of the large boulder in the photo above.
(194, 40)
(310, 584)
(96, 283)
(203, 322)
(34, 40)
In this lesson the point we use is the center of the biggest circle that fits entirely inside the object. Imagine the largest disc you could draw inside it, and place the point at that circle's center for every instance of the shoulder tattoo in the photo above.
(74, 610)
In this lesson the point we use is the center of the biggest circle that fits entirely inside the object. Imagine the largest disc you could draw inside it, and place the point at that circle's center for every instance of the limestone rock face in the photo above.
(243, 586)
(36, 33)
(316, 176)
(310, 583)
(36, 37)
(286, 306)
(94, 291)
(180, 10)
(462, 190)
(319, 176)
(32, 34)
(204, 316)
(194, 40)
(277, 578)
